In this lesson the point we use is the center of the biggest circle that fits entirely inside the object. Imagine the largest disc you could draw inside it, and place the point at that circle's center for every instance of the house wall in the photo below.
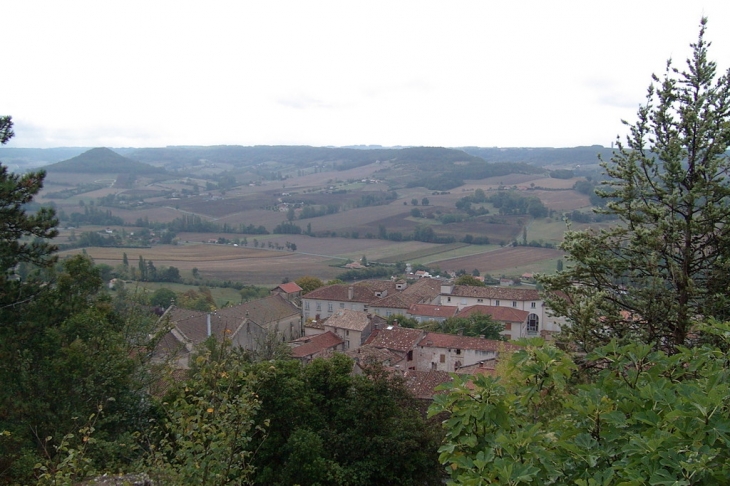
(537, 307)
(353, 339)
(387, 311)
(444, 359)
(290, 328)
(311, 308)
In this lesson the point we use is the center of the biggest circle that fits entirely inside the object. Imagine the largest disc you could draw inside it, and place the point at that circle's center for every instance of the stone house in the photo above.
(450, 352)
(353, 327)
(430, 312)
(290, 291)
(513, 320)
(378, 297)
(539, 321)
(307, 348)
(246, 325)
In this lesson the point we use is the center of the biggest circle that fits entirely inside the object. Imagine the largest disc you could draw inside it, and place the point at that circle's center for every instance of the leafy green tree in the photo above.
(68, 353)
(667, 263)
(401, 320)
(328, 427)
(207, 423)
(163, 297)
(474, 325)
(467, 279)
(631, 415)
(308, 283)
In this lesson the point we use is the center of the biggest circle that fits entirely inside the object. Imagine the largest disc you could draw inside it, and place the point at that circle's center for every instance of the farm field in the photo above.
(262, 194)
(320, 257)
(222, 262)
(507, 260)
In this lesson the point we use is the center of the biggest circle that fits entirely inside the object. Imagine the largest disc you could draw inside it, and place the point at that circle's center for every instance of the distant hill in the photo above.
(542, 156)
(103, 161)
(437, 168)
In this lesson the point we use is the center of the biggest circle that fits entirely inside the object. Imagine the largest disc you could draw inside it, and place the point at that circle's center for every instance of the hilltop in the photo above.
(102, 161)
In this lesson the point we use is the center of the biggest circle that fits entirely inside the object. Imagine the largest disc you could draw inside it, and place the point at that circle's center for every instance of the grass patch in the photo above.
(221, 295)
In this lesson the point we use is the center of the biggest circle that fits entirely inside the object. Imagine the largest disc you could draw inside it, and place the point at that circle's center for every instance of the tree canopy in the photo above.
(638, 416)
(666, 263)
(22, 236)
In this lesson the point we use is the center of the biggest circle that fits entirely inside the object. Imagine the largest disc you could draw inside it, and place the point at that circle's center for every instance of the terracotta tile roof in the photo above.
(453, 341)
(193, 325)
(506, 293)
(290, 287)
(362, 291)
(367, 353)
(400, 300)
(224, 323)
(396, 338)
(315, 344)
(349, 319)
(426, 288)
(428, 310)
(496, 312)
(268, 309)
(422, 384)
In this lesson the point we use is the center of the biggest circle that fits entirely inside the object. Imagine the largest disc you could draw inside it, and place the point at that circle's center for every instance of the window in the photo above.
(409, 356)
(463, 301)
(306, 305)
(347, 332)
(458, 351)
(448, 299)
(342, 305)
(514, 303)
(533, 305)
(319, 306)
(533, 324)
(442, 358)
(329, 306)
(496, 302)
(387, 313)
(480, 300)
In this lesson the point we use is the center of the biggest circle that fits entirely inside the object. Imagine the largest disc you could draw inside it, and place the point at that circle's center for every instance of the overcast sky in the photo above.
(450, 73)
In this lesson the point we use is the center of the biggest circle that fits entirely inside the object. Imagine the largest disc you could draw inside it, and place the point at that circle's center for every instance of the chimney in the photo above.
(350, 292)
